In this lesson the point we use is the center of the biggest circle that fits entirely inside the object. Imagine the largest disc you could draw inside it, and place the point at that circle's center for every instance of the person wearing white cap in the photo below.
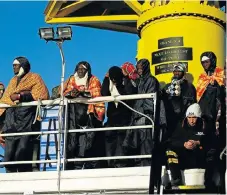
(177, 96)
(185, 148)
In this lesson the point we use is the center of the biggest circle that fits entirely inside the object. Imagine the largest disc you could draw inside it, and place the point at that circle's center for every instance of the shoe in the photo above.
(176, 182)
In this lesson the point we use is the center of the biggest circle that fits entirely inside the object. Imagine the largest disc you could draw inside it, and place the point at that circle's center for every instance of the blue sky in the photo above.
(20, 22)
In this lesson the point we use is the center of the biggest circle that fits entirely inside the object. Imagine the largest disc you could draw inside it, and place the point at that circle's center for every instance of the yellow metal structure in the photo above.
(169, 31)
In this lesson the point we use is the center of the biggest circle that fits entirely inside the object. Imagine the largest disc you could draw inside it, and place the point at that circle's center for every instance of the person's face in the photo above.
(139, 68)
(124, 72)
(16, 68)
(1, 91)
(192, 120)
(178, 74)
(81, 71)
(206, 64)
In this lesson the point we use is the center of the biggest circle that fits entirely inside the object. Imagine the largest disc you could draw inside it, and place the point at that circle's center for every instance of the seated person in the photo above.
(80, 116)
(185, 148)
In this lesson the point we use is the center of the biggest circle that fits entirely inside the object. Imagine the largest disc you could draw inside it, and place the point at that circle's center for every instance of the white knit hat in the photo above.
(194, 110)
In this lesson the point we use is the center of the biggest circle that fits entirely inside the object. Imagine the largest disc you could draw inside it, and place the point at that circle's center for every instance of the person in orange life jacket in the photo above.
(25, 86)
(185, 148)
(83, 84)
(117, 113)
(211, 98)
(177, 96)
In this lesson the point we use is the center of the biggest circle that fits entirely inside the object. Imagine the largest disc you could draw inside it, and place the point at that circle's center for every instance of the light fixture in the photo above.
(64, 33)
(46, 33)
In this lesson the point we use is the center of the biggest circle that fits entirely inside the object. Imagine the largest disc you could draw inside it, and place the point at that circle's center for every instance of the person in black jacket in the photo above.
(118, 115)
(141, 140)
(177, 96)
(186, 147)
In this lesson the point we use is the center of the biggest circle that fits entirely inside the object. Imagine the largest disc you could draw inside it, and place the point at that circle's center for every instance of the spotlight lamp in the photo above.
(63, 33)
(46, 33)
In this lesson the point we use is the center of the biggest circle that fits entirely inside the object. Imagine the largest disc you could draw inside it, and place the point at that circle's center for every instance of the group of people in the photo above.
(192, 119)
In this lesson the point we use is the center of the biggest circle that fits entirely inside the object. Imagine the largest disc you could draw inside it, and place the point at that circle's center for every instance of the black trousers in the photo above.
(180, 159)
(18, 148)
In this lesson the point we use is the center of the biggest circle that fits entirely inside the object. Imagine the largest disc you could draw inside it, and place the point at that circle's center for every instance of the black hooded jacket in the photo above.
(147, 84)
(184, 132)
(117, 115)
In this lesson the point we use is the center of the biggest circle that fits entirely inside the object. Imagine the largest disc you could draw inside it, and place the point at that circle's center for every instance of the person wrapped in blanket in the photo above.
(25, 86)
(116, 83)
(139, 141)
(187, 147)
(87, 144)
(211, 95)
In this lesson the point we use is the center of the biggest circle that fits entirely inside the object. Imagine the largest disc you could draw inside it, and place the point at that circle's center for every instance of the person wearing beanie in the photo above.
(185, 148)
(177, 96)
(25, 86)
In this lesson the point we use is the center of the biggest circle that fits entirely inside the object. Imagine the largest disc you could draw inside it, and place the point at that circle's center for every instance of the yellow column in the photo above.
(180, 31)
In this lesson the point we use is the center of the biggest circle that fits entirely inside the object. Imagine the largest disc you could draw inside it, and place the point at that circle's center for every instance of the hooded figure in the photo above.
(211, 98)
(88, 144)
(25, 86)
(117, 113)
(186, 146)
(177, 96)
(140, 141)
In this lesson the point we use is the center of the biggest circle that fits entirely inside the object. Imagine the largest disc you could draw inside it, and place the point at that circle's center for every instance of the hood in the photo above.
(213, 60)
(115, 73)
(24, 63)
(146, 67)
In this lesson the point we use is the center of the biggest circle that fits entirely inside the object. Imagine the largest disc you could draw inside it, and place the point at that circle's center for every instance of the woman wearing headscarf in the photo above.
(79, 145)
(211, 98)
(25, 86)
(118, 115)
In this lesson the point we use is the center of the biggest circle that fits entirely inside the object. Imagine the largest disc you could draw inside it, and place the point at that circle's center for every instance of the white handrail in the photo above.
(78, 130)
(95, 100)
(76, 159)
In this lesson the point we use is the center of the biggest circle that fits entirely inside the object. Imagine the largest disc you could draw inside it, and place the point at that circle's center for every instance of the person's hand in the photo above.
(15, 97)
(194, 143)
(74, 93)
(188, 145)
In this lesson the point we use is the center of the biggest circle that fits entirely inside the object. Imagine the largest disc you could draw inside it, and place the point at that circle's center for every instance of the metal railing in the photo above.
(62, 161)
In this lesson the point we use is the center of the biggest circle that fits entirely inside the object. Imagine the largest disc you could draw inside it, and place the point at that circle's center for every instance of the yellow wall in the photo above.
(199, 33)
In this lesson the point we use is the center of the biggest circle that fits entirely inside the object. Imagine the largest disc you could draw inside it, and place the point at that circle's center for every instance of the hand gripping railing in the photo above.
(104, 99)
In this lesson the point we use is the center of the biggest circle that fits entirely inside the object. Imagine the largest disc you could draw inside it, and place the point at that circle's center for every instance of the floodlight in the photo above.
(46, 33)
(64, 33)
